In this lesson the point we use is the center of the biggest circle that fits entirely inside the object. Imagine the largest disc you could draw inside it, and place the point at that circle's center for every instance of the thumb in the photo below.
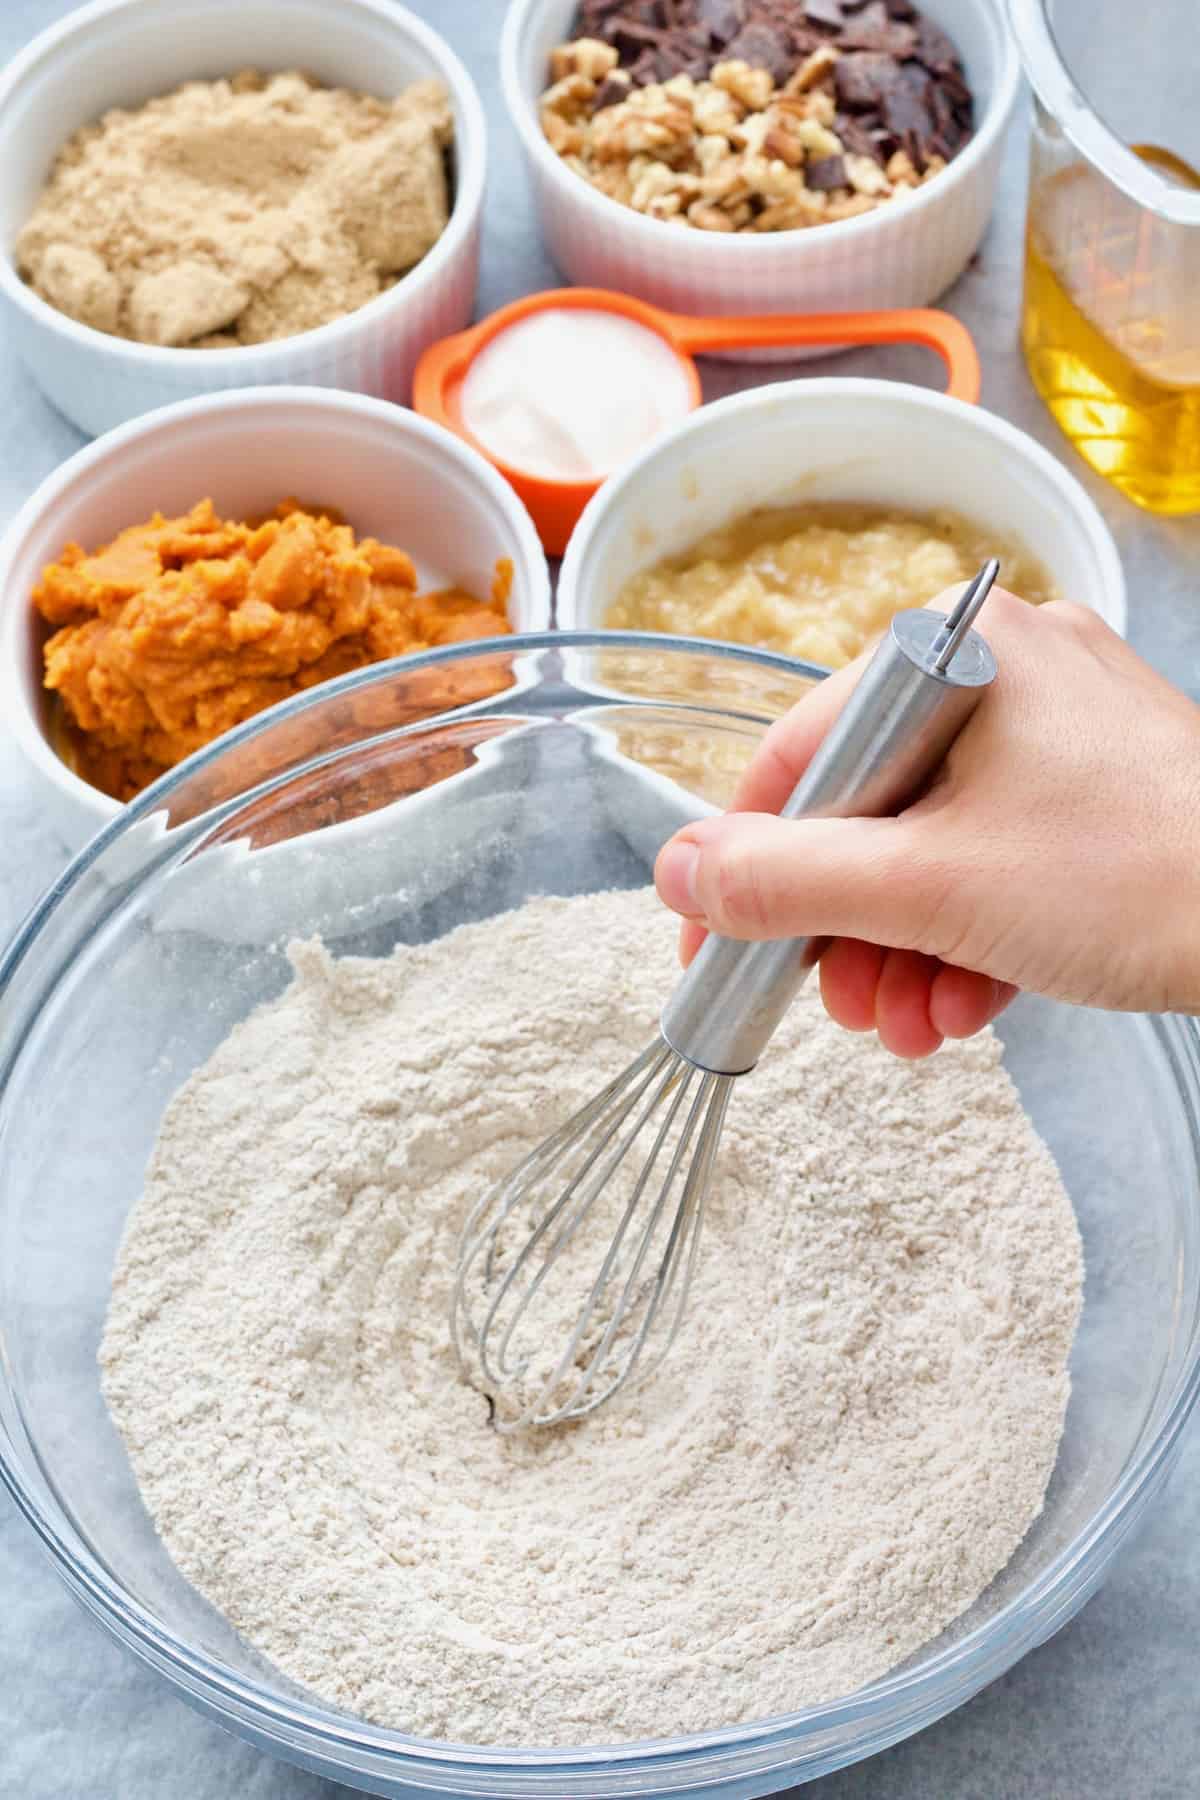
(752, 875)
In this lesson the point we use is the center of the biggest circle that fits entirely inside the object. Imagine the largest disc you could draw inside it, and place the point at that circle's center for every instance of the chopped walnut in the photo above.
(753, 87)
(709, 217)
(821, 106)
(732, 153)
(815, 68)
(648, 123)
(866, 176)
(751, 134)
(783, 141)
(900, 170)
(726, 182)
(654, 181)
(567, 139)
(850, 206)
(715, 112)
(710, 152)
(769, 179)
(569, 98)
(802, 208)
(585, 56)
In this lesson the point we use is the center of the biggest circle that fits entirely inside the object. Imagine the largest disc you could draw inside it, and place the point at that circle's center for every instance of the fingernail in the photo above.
(676, 878)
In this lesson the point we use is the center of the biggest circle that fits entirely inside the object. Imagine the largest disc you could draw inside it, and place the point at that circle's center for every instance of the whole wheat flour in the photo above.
(850, 1439)
(235, 212)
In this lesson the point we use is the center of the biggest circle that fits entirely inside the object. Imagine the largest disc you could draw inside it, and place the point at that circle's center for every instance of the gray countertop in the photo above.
(1109, 1707)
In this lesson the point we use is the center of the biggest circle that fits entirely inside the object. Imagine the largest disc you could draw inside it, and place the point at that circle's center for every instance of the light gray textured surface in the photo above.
(1109, 1708)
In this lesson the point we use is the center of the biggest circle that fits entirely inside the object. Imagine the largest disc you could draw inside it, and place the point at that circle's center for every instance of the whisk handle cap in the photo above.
(915, 696)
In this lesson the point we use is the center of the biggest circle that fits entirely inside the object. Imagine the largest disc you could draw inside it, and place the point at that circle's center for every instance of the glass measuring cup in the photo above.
(555, 504)
(1111, 316)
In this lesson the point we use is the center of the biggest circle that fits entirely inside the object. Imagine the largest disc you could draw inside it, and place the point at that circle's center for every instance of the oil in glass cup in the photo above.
(1111, 314)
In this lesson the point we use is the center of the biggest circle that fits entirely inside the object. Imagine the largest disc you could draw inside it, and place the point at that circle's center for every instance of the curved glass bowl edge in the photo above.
(894, 1706)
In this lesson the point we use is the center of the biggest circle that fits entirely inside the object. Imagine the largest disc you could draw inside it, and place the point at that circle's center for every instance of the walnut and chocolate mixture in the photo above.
(756, 115)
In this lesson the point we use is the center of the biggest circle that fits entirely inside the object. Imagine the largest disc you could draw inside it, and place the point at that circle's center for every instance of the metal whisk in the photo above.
(626, 1178)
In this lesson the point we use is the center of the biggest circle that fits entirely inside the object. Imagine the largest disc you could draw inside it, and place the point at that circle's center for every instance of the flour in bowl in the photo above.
(852, 1436)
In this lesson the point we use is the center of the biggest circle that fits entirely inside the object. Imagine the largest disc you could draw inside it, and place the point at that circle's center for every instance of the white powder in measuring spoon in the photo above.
(851, 1438)
(571, 393)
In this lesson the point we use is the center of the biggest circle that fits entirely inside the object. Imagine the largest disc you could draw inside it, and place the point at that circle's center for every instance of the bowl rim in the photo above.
(763, 247)
(1025, 1620)
(615, 494)
(471, 155)
(26, 729)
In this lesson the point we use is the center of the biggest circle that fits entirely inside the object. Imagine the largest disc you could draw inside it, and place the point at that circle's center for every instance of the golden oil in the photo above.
(1111, 331)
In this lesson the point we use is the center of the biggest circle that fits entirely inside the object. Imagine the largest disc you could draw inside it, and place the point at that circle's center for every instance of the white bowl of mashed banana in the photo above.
(800, 517)
(182, 244)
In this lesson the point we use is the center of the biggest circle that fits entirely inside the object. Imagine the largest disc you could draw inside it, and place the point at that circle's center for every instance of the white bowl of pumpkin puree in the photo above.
(201, 564)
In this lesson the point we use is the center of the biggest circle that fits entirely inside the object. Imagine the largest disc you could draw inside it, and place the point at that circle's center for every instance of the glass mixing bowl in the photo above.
(568, 762)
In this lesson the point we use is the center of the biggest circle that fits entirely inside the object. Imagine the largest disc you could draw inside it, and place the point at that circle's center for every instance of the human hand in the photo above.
(1057, 850)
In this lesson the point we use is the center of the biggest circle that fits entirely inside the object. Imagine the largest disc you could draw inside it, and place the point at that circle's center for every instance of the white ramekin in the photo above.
(393, 475)
(122, 52)
(903, 254)
(838, 439)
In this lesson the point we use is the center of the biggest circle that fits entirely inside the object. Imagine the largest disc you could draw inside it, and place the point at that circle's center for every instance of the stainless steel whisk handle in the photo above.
(915, 696)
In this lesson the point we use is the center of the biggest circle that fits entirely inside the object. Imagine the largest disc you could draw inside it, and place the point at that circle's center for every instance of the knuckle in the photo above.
(1080, 621)
(1002, 603)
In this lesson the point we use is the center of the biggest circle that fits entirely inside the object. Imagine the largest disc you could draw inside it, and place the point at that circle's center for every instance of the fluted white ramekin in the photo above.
(391, 474)
(839, 439)
(903, 254)
(123, 52)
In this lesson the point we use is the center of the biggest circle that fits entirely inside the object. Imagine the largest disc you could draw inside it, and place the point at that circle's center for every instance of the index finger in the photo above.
(790, 744)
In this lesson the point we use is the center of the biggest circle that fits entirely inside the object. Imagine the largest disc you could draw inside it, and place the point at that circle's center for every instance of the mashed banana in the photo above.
(816, 581)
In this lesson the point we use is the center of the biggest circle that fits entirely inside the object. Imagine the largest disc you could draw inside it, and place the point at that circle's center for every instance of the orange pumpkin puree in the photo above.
(181, 628)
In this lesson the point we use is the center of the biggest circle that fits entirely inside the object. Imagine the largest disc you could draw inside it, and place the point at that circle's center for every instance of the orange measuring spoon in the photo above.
(555, 505)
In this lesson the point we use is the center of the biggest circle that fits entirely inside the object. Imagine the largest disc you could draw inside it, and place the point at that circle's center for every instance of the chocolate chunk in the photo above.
(913, 148)
(949, 132)
(596, 18)
(826, 172)
(594, 15)
(678, 60)
(633, 35)
(860, 78)
(763, 48)
(645, 69)
(616, 86)
(899, 82)
(905, 105)
(873, 30)
(722, 19)
(855, 135)
(804, 39)
(933, 48)
(957, 91)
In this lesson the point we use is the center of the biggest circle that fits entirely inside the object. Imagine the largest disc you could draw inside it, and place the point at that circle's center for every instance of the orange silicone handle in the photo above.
(937, 331)
(555, 505)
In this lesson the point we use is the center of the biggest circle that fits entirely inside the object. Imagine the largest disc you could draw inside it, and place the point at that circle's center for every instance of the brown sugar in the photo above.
(181, 628)
(236, 212)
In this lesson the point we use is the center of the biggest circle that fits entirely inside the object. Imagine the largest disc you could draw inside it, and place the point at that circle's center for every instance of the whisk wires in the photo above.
(634, 1301)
